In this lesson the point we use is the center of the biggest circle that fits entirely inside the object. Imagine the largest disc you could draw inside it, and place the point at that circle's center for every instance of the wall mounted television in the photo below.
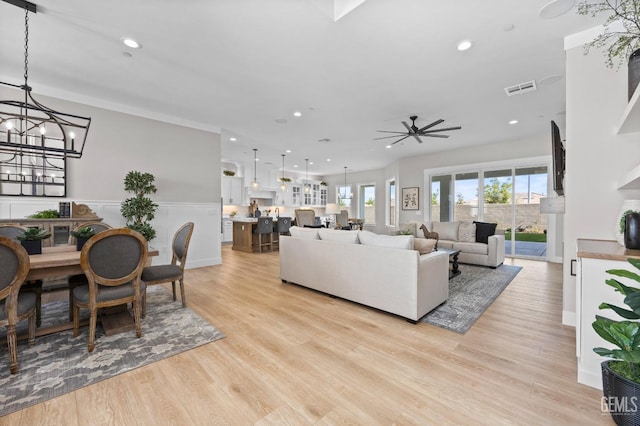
(558, 155)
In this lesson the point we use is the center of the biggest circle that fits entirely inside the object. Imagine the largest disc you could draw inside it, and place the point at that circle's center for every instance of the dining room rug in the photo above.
(470, 294)
(59, 363)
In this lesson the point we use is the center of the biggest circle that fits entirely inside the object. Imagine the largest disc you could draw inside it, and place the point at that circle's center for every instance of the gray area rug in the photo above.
(59, 363)
(470, 294)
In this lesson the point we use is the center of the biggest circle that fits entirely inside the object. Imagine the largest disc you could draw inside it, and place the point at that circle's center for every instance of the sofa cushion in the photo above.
(484, 230)
(446, 244)
(424, 246)
(390, 241)
(307, 233)
(446, 230)
(338, 235)
(467, 232)
(477, 248)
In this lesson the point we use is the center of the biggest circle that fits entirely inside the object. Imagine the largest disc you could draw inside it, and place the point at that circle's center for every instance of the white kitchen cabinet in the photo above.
(227, 230)
(231, 190)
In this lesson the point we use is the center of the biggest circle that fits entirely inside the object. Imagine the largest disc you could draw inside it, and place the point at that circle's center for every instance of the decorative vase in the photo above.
(632, 231)
(80, 242)
(634, 72)
(621, 397)
(633, 205)
(32, 246)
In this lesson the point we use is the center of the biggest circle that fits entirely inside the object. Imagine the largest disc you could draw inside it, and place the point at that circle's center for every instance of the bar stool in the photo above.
(281, 227)
(265, 227)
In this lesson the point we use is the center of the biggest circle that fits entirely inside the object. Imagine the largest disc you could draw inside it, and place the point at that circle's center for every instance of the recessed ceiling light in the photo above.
(129, 42)
(233, 139)
(288, 151)
(513, 122)
(555, 8)
(311, 163)
(328, 159)
(297, 114)
(465, 45)
(388, 146)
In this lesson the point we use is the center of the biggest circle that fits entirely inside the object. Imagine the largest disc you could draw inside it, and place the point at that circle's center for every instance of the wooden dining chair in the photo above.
(79, 279)
(33, 286)
(158, 274)
(14, 267)
(112, 261)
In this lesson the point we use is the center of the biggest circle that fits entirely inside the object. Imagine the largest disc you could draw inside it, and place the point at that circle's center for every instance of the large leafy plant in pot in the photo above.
(139, 210)
(621, 374)
(620, 45)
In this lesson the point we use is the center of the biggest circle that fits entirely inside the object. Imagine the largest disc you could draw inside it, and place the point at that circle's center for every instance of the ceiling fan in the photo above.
(416, 132)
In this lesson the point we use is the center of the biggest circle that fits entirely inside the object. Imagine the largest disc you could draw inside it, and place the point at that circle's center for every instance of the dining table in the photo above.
(63, 261)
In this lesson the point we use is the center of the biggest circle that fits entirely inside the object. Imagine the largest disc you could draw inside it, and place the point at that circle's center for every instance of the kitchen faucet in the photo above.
(277, 212)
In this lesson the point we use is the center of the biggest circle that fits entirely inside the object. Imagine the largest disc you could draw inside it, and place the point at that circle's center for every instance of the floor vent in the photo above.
(519, 89)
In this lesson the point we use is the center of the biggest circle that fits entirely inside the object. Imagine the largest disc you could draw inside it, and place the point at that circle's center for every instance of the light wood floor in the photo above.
(294, 356)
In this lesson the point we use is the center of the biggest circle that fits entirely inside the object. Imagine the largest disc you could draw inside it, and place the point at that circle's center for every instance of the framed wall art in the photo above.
(410, 199)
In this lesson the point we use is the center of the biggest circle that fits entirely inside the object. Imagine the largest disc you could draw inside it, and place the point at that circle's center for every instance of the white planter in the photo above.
(626, 205)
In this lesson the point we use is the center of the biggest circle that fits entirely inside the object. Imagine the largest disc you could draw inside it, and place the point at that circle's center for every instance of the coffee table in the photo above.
(453, 258)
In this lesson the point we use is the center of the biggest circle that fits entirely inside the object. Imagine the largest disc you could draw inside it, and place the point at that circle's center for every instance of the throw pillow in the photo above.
(447, 230)
(430, 235)
(369, 238)
(307, 233)
(424, 246)
(484, 230)
(467, 232)
(338, 235)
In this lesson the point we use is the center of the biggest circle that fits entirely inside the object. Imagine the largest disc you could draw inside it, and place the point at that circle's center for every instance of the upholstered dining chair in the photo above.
(158, 274)
(34, 286)
(112, 261)
(305, 217)
(342, 219)
(16, 306)
(79, 279)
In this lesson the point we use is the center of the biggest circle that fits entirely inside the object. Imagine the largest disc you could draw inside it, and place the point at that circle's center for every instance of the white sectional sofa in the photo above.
(384, 273)
(461, 235)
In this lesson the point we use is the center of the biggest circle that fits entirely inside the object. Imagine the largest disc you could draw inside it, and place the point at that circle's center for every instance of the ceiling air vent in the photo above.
(519, 89)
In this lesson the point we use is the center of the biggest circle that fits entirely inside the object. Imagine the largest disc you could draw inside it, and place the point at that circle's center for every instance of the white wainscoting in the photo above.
(204, 249)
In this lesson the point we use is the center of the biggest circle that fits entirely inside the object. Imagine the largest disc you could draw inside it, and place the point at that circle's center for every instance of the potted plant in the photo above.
(284, 179)
(620, 45)
(139, 210)
(45, 214)
(323, 183)
(31, 239)
(82, 235)
(621, 374)
(229, 172)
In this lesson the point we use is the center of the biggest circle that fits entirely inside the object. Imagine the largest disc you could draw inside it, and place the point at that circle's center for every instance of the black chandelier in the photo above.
(28, 128)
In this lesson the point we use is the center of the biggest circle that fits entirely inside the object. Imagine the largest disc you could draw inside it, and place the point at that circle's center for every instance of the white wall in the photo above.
(597, 158)
(184, 161)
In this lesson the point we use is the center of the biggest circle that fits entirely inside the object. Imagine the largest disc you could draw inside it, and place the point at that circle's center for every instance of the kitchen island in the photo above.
(243, 237)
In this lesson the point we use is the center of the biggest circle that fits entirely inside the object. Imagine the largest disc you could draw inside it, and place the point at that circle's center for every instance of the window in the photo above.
(391, 203)
(367, 205)
(343, 197)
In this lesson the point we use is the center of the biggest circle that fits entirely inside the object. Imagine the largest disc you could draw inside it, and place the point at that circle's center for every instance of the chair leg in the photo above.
(136, 318)
(144, 303)
(12, 343)
(32, 330)
(93, 319)
(71, 287)
(184, 301)
(38, 292)
(173, 287)
(76, 320)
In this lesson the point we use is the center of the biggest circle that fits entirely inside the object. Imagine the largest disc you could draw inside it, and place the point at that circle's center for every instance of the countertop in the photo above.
(605, 249)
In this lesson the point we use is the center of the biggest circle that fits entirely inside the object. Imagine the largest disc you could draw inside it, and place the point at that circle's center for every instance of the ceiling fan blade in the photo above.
(442, 130)
(416, 137)
(401, 139)
(435, 136)
(390, 131)
(428, 126)
(404, 123)
(389, 137)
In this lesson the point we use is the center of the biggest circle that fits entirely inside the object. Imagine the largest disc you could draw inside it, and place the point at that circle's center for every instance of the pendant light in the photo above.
(307, 187)
(283, 184)
(345, 195)
(255, 185)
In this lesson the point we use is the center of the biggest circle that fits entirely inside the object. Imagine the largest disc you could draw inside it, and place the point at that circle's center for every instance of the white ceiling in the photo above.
(240, 66)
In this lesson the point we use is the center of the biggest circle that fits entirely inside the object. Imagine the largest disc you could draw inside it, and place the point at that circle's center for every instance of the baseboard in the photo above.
(590, 379)
(204, 262)
(569, 318)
